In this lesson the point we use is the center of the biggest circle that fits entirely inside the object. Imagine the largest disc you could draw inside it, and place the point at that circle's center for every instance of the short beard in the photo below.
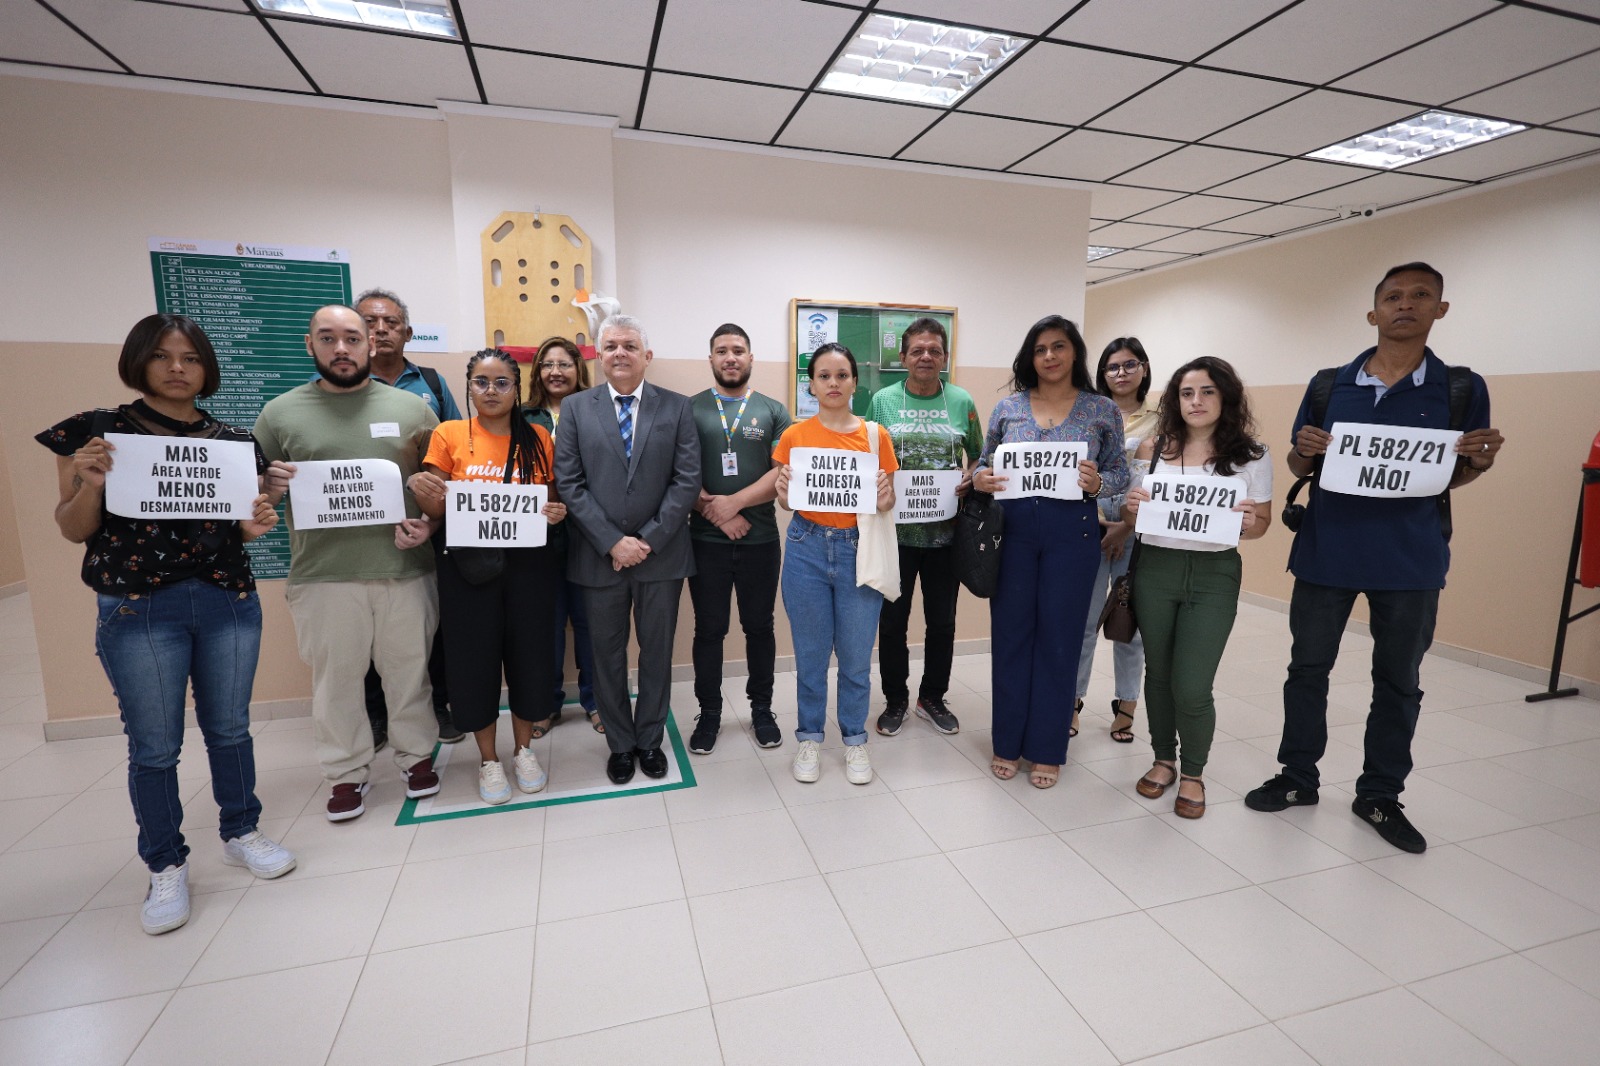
(744, 379)
(355, 377)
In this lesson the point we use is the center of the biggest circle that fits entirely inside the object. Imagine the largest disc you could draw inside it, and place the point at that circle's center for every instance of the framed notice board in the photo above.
(870, 330)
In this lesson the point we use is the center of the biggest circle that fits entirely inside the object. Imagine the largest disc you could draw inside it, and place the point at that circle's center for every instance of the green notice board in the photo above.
(870, 330)
(253, 301)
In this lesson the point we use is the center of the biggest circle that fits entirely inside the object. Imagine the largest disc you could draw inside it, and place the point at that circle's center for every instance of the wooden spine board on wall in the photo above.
(794, 334)
(535, 264)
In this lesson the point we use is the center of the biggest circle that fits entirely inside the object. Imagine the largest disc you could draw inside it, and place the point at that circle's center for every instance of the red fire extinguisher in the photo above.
(1589, 571)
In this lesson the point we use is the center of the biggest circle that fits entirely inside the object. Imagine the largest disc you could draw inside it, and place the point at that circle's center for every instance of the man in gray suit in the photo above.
(628, 468)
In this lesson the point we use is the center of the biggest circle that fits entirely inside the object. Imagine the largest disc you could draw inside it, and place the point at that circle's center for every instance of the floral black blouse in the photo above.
(128, 555)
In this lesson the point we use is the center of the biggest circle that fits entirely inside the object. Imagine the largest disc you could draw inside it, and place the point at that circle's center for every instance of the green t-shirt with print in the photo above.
(755, 434)
(938, 432)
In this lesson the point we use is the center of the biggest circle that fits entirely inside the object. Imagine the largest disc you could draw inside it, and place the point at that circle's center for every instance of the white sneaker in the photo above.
(857, 764)
(808, 761)
(166, 905)
(264, 856)
(492, 785)
(530, 775)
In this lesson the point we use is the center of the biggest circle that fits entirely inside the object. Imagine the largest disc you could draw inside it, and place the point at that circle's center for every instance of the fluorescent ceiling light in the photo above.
(1098, 252)
(1427, 135)
(406, 16)
(923, 62)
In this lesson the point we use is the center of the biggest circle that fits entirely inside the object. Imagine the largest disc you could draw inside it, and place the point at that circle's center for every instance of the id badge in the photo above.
(730, 464)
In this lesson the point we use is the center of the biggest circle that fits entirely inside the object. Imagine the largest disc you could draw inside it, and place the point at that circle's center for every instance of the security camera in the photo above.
(1368, 210)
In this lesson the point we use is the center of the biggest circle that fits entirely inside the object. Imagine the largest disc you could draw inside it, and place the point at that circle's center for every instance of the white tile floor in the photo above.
(936, 915)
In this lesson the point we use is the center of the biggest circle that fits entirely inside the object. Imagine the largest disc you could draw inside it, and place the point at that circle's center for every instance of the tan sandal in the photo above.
(1188, 808)
(1004, 769)
(1150, 788)
(1044, 776)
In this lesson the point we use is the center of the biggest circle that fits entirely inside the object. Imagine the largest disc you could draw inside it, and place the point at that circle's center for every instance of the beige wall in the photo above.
(12, 573)
(1520, 271)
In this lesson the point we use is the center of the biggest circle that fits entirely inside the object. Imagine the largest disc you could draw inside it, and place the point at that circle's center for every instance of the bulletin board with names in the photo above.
(872, 333)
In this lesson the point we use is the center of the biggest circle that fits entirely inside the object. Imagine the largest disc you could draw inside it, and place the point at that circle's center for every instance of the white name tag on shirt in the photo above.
(483, 514)
(180, 477)
(922, 496)
(1039, 469)
(1391, 461)
(335, 493)
(385, 429)
(1195, 507)
(836, 480)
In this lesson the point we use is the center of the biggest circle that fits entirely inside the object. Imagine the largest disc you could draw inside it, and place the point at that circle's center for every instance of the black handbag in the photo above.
(980, 525)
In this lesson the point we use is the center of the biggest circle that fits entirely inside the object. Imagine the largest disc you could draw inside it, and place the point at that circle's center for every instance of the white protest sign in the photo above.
(335, 493)
(180, 477)
(1039, 469)
(488, 514)
(1369, 460)
(1193, 507)
(925, 495)
(833, 479)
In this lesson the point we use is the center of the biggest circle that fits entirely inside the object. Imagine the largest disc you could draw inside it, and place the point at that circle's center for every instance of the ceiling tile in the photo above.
(1094, 273)
(1167, 28)
(1016, 16)
(1198, 241)
(1129, 234)
(709, 108)
(1289, 179)
(1197, 211)
(28, 31)
(1139, 259)
(1591, 8)
(779, 42)
(220, 5)
(1319, 40)
(1193, 103)
(1086, 155)
(1589, 122)
(1385, 190)
(1198, 167)
(617, 31)
(380, 66)
(1312, 121)
(1056, 83)
(519, 80)
(1508, 154)
(1120, 201)
(178, 42)
(850, 124)
(1544, 97)
(1504, 44)
(977, 141)
(1279, 219)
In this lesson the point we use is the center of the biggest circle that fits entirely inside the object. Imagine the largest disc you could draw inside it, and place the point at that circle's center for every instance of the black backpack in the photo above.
(1459, 384)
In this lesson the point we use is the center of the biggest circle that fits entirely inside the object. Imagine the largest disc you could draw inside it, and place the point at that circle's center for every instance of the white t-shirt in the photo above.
(1257, 476)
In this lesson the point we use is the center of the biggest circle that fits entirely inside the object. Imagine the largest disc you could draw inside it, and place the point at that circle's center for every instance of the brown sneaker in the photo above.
(421, 780)
(345, 803)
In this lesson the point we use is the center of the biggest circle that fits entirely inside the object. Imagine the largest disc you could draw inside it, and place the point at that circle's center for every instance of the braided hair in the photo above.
(532, 460)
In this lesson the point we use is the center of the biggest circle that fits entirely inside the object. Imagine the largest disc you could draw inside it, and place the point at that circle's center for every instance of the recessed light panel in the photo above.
(1416, 139)
(404, 16)
(1098, 252)
(921, 62)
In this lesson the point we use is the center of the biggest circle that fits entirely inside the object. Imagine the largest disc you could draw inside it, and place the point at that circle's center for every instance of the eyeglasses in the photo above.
(1118, 369)
(547, 365)
(485, 385)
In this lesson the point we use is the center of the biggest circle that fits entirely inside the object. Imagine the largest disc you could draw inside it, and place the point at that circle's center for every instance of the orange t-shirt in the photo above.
(813, 434)
(482, 455)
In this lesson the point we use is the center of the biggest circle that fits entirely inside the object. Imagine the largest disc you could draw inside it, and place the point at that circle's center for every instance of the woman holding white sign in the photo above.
(1186, 592)
(495, 616)
(177, 602)
(829, 614)
(1051, 550)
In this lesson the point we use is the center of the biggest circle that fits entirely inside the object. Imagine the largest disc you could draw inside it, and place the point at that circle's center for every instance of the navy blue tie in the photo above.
(625, 421)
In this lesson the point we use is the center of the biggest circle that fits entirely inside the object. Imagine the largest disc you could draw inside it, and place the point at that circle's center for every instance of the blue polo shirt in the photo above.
(1360, 542)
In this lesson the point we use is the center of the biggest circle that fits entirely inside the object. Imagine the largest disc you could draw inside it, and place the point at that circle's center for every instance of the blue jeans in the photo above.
(1127, 659)
(151, 644)
(829, 615)
(569, 604)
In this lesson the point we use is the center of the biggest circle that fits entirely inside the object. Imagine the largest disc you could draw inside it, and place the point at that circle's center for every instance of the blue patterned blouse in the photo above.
(1093, 419)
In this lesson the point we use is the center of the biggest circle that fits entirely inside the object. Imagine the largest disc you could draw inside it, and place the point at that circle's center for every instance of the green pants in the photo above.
(1185, 602)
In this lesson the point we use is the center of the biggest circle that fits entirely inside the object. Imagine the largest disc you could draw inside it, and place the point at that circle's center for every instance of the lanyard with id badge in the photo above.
(730, 458)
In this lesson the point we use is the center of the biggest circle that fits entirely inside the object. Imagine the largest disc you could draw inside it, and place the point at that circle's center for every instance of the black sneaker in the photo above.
(1385, 816)
(765, 724)
(933, 709)
(707, 723)
(892, 718)
(1278, 793)
(448, 733)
